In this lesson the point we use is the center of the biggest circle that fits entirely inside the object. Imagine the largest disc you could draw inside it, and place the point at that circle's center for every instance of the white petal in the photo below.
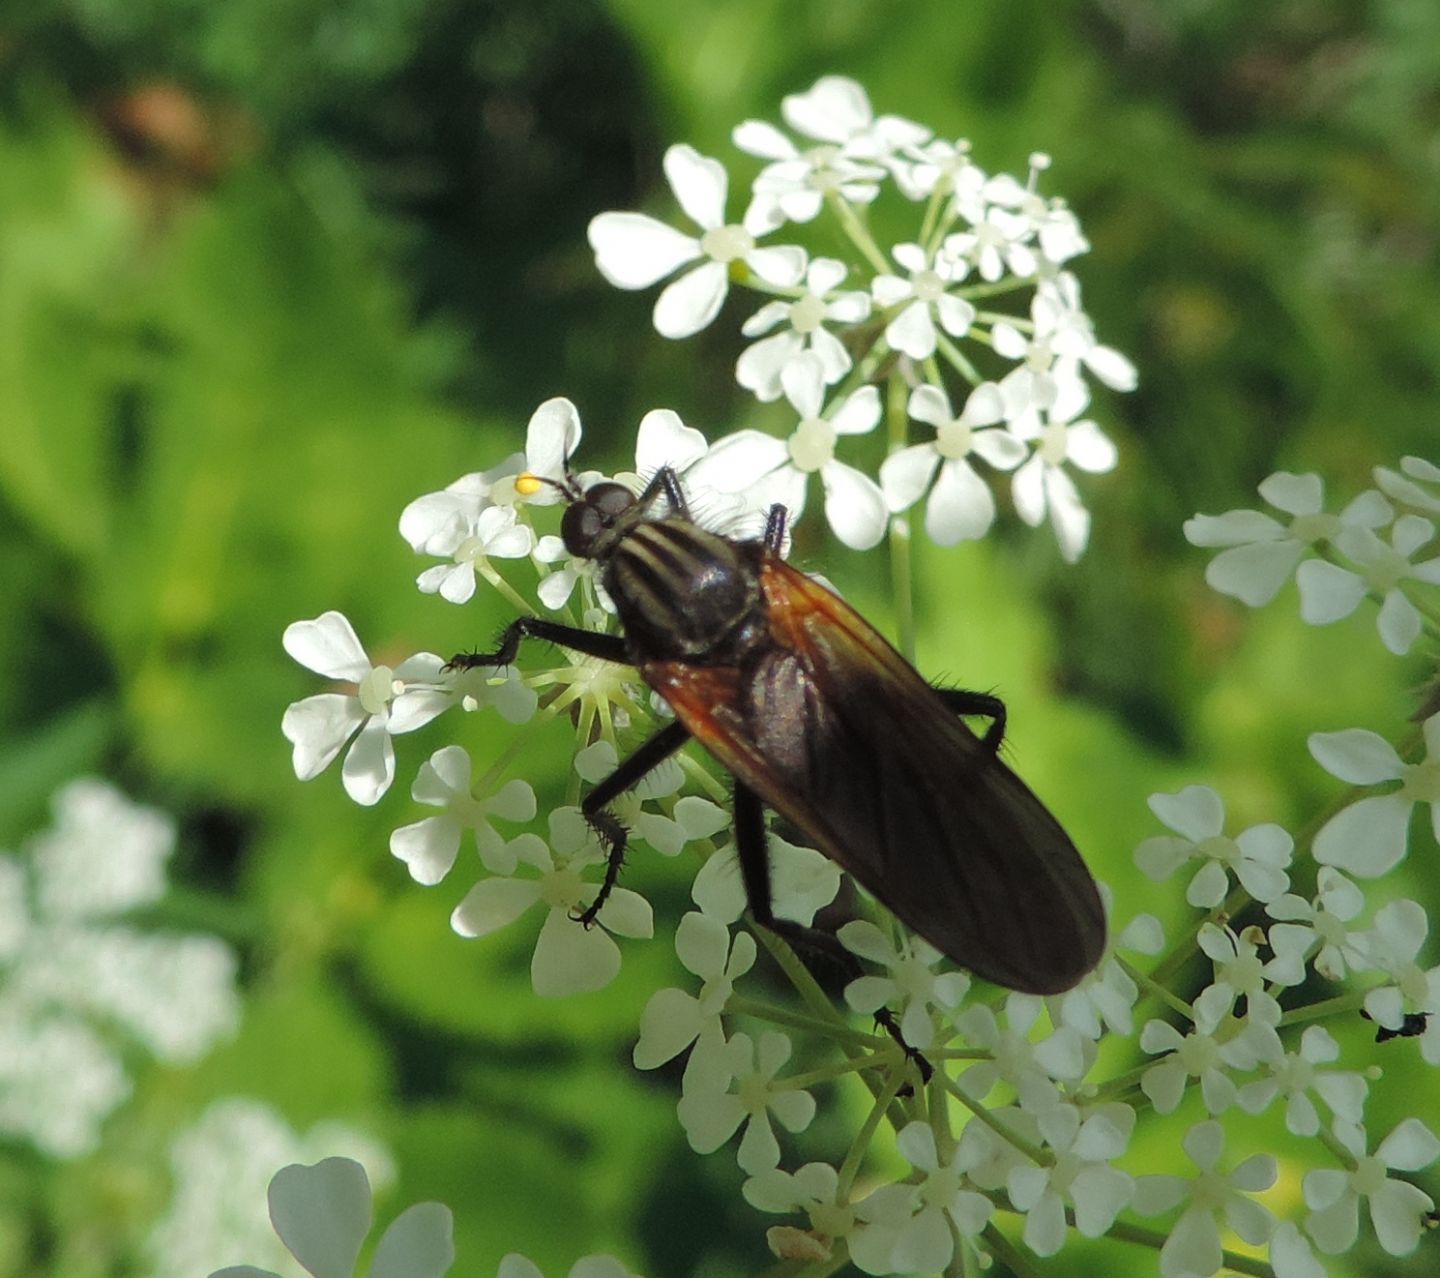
(688, 304)
(928, 404)
(664, 440)
(1294, 494)
(1254, 574)
(369, 767)
(803, 381)
(854, 506)
(633, 250)
(1028, 491)
(669, 1023)
(419, 1243)
(756, 137)
(1112, 368)
(427, 847)
(318, 727)
(1234, 528)
(1089, 449)
(322, 1214)
(833, 109)
(1327, 591)
(328, 645)
(1399, 623)
(905, 475)
(955, 314)
(998, 447)
(699, 184)
(912, 332)
(571, 959)
(1367, 838)
(735, 462)
(627, 913)
(782, 265)
(1356, 755)
(493, 903)
(551, 438)
(1409, 1147)
(960, 506)
(760, 364)
(835, 360)
(859, 413)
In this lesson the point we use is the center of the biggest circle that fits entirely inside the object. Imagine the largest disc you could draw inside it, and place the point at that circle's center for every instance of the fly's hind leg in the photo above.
(754, 857)
(963, 701)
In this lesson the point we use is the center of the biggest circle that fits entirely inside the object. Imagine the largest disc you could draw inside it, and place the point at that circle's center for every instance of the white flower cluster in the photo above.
(1020, 375)
(1022, 1120)
(79, 987)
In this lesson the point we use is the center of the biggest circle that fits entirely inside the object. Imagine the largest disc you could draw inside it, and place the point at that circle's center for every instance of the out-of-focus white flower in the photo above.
(322, 1214)
(1398, 1209)
(802, 880)
(1106, 997)
(1329, 592)
(1317, 926)
(1408, 485)
(1239, 972)
(1392, 945)
(920, 300)
(813, 1189)
(221, 1166)
(634, 251)
(1028, 1066)
(1296, 1074)
(1260, 551)
(1258, 857)
(1200, 1054)
(1368, 838)
(1192, 1249)
(385, 702)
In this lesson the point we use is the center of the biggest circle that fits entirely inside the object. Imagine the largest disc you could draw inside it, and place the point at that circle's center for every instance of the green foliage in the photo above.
(225, 369)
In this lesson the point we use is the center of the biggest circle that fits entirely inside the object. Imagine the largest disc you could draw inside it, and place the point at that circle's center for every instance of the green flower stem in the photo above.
(995, 289)
(931, 228)
(1033, 1152)
(704, 778)
(902, 579)
(1154, 987)
(1337, 1006)
(1015, 1260)
(1121, 1085)
(497, 582)
(850, 1167)
(1342, 1155)
(762, 1011)
(543, 714)
(956, 358)
(858, 235)
(1156, 1239)
(825, 1074)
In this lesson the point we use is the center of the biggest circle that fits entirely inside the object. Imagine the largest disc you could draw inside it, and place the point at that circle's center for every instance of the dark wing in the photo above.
(838, 733)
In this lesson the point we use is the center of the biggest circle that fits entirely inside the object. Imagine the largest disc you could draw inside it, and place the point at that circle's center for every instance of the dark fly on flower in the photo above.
(818, 717)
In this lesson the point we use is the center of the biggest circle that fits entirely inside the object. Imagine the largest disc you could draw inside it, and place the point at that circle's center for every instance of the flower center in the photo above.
(376, 689)
(953, 439)
(812, 444)
(561, 888)
(927, 285)
(1313, 528)
(832, 1220)
(726, 243)
(1218, 848)
(1054, 443)
(754, 1092)
(1388, 570)
(1368, 1176)
(1421, 782)
(1198, 1053)
(807, 314)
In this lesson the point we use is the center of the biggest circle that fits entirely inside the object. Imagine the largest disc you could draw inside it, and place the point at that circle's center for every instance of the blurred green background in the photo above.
(269, 269)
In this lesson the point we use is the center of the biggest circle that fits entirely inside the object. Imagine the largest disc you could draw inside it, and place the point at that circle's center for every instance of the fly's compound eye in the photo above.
(584, 521)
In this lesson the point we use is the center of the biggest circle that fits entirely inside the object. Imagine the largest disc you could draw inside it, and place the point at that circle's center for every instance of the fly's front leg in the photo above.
(607, 826)
(589, 642)
(753, 852)
(963, 701)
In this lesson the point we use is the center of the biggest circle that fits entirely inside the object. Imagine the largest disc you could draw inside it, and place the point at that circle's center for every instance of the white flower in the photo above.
(1258, 857)
(1106, 997)
(943, 166)
(673, 1019)
(319, 727)
(813, 1189)
(1398, 1209)
(1192, 1249)
(1407, 488)
(322, 1214)
(837, 110)
(710, 1110)
(1329, 592)
(912, 980)
(1296, 1074)
(551, 437)
(1319, 922)
(803, 320)
(598, 761)
(1261, 551)
(220, 1167)
(1368, 837)
(910, 1226)
(436, 519)
(919, 301)
(1406, 1005)
(476, 687)
(802, 880)
(961, 505)
(429, 847)
(1291, 1255)
(493, 534)
(1202, 1054)
(634, 250)
(1239, 971)
(105, 853)
(1042, 485)
(769, 470)
(997, 241)
(568, 958)
(1080, 1175)
(1061, 342)
(1026, 1065)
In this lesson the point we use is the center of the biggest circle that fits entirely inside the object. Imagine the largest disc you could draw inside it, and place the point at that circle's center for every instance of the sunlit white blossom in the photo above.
(1295, 1075)
(1316, 926)
(802, 880)
(920, 300)
(1201, 1054)
(634, 250)
(1398, 1209)
(801, 324)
